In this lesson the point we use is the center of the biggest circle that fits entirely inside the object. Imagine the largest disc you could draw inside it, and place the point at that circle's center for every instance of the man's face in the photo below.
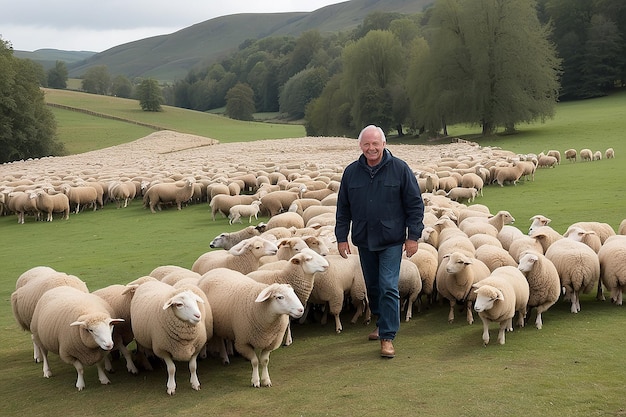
(372, 146)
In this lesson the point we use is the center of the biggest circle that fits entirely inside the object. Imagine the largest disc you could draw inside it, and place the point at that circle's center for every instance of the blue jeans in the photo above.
(381, 270)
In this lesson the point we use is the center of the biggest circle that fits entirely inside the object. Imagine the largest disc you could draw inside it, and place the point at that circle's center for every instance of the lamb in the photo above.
(30, 287)
(343, 276)
(455, 276)
(571, 155)
(222, 203)
(498, 297)
(578, 266)
(586, 155)
(298, 272)
(252, 314)
(462, 193)
(238, 211)
(55, 203)
(228, 240)
(176, 193)
(75, 325)
(612, 257)
(480, 239)
(609, 153)
(597, 156)
(170, 322)
(84, 195)
(543, 282)
(243, 257)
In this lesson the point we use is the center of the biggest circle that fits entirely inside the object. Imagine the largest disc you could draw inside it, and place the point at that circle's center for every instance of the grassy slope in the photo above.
(573, 366)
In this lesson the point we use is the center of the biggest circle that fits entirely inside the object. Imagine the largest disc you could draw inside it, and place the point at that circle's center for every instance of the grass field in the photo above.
(573, 366)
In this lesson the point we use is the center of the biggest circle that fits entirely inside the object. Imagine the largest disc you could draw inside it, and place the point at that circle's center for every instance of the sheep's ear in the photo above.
(446, 256)
(476, 285)
(117, 321)
(499, 295)
(295, 260)
(264, 295)
(130, 288)
(78, 323)
(197, 297)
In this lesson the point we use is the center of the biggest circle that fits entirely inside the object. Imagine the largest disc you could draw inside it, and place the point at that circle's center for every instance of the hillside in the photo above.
(169, 57)
(48, 57)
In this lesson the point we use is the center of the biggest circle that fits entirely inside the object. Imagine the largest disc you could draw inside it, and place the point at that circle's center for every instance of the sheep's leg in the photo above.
(485, 331)
(171, 373)
(265, 373)
(359, 312)
(80, 380)
(130, 365)
(108, 366)
(574, 308)
(36, 351)
(409, 310)
(46, 366)
(193, 367)
(102, 376)
(451, 312)
(600, 294)
(302, 319)
(468, 310)
(338, 327)
(288, 338)
(248, 352)
(502, 331)
(223, 352)
(520, 319)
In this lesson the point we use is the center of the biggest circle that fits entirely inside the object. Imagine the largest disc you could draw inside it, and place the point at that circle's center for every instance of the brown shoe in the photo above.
(386, 349)
(373, 335)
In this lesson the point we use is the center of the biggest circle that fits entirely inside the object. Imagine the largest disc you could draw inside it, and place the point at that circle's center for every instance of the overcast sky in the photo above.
(88, 25)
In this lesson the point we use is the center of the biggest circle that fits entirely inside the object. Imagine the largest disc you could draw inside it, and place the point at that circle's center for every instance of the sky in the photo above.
(88, 25)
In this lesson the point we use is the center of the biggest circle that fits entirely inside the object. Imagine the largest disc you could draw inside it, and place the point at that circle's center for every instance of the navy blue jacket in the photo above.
(384, 205)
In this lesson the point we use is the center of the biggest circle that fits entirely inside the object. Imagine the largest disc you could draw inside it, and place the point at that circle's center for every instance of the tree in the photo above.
(329, 114)
(150, 95)
(121, 87)
(27, 125)
(495, 64)
(240, 102)
(97, 80)
(57, 76)
(300, 90)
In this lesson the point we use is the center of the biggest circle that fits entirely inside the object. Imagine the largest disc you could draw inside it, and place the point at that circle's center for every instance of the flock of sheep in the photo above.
(243, 295)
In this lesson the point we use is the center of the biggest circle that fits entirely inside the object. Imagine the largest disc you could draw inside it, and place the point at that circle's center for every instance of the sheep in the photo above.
(597, 156)
(586, 155)
(612, 257)
(75, 325)
(431, 183)
(426, 262)
(343, 276)
(546, 236)
(603, 230)
(228, 240)
(180, 275)
(543, 282)
(507, 235)
(509, 174)
(325, 219)
(222, 203)
(171, 323)
(473, 180)
(55, 203)
(609, 153)
(314, 211)
(545, 161)
(409, 286)
(122, 191)
(578, 266)
(163, 270)
(78, 195)
(238, 211)
(19, 202)
(288, 247)
(588, 237)
(243, 257)
(538, 220)
(30, 287)
(473, 225)
(621, 230)
(461, 193)
(119, 301)
(455, 276)
(556, 154)
(522, 244)
(278, 201)
(287, 219)
(480, 239)
(498, 297)
(571, 155)
(178, 193)
(300, 204)
(252, 314)
(494, 257)
(297, 272)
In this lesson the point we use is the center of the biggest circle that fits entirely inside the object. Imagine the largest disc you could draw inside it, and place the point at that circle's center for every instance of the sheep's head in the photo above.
(486, 296)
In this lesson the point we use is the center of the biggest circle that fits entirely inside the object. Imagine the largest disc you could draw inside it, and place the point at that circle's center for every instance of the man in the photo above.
(379, 197)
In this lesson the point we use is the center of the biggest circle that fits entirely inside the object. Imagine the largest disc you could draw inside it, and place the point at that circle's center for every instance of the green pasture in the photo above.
(574, 366)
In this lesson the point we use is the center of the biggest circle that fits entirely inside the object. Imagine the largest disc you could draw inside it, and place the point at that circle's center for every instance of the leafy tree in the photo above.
(330, 113)
(57, 76)
(240, 102)
(495, 65)
(306, 46)
(121, 87)
(27, 126)
(150, 95)
(300, 90)
(97, 80)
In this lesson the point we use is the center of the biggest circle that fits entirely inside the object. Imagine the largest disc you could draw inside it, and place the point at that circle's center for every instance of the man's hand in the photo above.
(410, 247)
(344, 249)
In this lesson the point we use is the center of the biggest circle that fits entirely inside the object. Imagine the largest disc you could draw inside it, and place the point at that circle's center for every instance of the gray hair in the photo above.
(380, 131)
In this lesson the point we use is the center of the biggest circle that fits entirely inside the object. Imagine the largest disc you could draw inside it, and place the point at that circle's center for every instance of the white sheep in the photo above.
(163, 270)
(170, 322)
(543, 282)
(222, 203)
(243, 257)
(588, 237)
(287, 219)
(546, 161)
(612, 257)
(288, 247)
(121, 191)
(298, 272)
(578, 266)
(409, 286)
(473, 180)
(75, 325)
(491, 225)
(507, 235)
(227, 240)
(510, 174)
(238, 211)
(546, 236)
(586, 155)
(252, 314)
(597, 156)
(555, 153)
(609, 153)
(621, 230)
(571, 155)
(80, 195)
(462, 193)
(30, 287)
(55, 203)
(278, 201)
(522, 244)
(299, 205)
(494, 256)
(456, 274)
(498, 297)
(538, 220)
(603, 230)
(426, 262)
(177, 193)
